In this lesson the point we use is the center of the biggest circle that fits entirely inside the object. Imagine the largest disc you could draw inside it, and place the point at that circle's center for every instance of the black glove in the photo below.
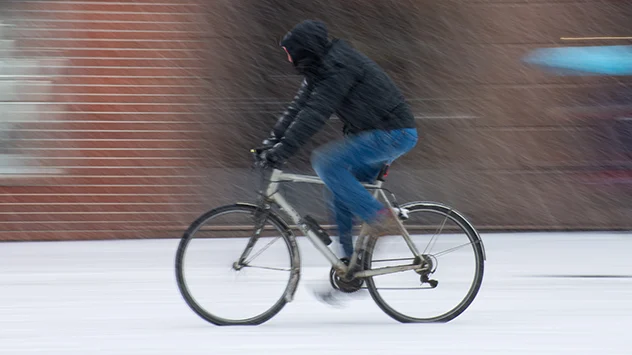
(272, 157)
(270, 141)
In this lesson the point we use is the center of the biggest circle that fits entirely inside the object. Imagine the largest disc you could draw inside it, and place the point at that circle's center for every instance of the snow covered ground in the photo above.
(542, 294)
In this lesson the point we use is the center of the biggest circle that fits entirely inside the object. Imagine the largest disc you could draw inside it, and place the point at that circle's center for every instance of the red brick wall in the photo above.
(112, 118)
(128, 119)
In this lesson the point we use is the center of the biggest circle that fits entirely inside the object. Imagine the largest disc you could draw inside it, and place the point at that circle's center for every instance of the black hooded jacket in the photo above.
(340, 80)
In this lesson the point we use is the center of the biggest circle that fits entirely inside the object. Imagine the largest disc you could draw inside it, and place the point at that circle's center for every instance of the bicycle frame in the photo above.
(274, 195)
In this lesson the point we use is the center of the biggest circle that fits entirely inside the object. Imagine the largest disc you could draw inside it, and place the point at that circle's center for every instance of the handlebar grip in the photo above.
(256, 153)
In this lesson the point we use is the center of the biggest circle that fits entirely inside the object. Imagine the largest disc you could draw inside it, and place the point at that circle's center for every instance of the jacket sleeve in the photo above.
(326, 96)
(292, 110)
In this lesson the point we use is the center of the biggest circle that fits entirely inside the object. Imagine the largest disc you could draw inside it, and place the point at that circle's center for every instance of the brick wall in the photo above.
(103, 98)
(128, 119)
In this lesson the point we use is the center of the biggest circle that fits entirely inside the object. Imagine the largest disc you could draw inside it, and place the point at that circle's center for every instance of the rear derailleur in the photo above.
(429, 267)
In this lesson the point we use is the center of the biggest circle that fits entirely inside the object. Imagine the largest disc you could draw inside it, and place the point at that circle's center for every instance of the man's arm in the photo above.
(325, 98)
(286, 119)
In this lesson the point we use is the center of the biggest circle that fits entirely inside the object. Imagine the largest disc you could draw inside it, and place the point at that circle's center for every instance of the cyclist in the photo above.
(378, 128)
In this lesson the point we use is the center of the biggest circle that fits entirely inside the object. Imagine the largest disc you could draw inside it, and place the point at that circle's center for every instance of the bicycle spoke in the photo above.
(398, 259)
(451, 250)
(267, 268)
(262, 250)
(433, 240)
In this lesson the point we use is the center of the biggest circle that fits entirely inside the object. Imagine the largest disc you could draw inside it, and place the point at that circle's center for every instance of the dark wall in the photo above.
(509, 145)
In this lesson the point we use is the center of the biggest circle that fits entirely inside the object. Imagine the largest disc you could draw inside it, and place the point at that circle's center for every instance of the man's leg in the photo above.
(344, 221)
(343, 215)
(335, 162)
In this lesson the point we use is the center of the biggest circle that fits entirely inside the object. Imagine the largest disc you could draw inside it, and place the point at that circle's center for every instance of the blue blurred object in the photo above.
(594, 60)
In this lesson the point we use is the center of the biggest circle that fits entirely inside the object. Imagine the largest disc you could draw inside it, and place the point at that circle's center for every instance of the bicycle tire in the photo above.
(479, 252)
(286, 235)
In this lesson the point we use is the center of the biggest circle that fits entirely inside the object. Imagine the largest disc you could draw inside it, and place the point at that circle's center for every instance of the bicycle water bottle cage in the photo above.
(315, 227)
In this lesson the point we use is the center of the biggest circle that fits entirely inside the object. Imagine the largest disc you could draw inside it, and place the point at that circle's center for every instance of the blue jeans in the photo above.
(343, 165)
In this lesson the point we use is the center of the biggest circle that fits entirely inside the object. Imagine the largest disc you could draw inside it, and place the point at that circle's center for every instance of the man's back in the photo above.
(374, 101)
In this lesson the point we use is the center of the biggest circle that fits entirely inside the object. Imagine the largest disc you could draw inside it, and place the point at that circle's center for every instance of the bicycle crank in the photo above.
(344, 285)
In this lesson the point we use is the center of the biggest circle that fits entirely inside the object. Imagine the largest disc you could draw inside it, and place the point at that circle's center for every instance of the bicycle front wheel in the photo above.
(237, 265)
(455, 262)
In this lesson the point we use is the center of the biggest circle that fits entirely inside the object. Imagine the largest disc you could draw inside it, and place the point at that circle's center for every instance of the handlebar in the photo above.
(256, 154)
(259, 161)
(262, 167)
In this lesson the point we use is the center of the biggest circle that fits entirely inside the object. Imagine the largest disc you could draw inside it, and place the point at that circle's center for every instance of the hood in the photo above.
(307, 44)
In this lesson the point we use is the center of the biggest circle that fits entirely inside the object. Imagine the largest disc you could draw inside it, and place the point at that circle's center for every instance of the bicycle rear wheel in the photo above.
(237, 265)
(456, 263)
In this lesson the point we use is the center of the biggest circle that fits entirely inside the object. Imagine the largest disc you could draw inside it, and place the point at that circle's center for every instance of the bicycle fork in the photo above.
(261, 216)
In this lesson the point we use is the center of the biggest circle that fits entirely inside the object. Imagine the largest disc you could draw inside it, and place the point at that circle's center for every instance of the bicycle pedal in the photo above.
(315, 227)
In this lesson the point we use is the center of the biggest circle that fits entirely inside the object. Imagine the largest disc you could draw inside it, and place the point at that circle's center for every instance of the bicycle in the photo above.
(342, 276)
